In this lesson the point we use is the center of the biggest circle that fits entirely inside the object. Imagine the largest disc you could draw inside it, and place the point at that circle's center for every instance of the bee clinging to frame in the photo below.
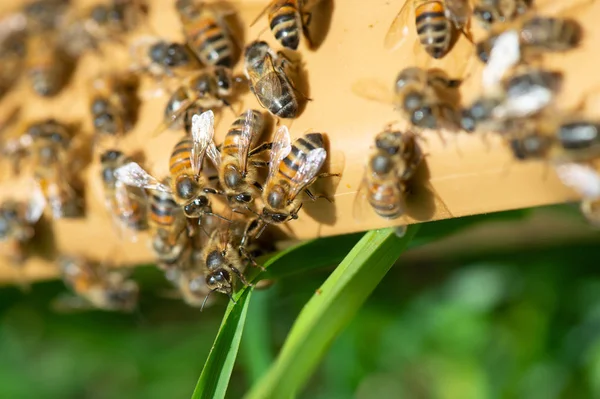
(269, 81)
(436, 21)
(288, 19)
(207, 32)
(127, 205)
(389, 168)
(238, 175)
(188, 187)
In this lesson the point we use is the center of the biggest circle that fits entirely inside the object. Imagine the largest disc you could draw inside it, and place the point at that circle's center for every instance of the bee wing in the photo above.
(458, 11)
(133, 174)
(584, 179)
(123, 202)
(185, 105)
(270, 84)
(373, 89)
(282, 146)
(36, 206)
(245, 139)
(525, 104)
(307, 171)
(202, 135)
(504, 55)
(398, 30)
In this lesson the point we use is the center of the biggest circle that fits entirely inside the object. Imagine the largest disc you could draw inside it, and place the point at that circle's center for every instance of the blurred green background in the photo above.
(510, 313)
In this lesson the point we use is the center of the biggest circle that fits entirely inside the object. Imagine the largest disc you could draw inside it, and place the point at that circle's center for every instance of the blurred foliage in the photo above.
(501, 325)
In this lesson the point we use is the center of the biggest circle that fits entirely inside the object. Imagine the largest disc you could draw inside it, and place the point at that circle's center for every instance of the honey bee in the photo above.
(268, 80)
(238, 174)
(16, 232)
(162, 58)
(523, 93)
(188, 187)
(206, 31)
(96, 287)
(389, 168)
(113, 104)
(286, 19)
(490, 12)
(427, 98)
(47, 67)
(127, 205)
(292, 169)
(48, 144)
(436, 22)
(537, 35)
(207, 89)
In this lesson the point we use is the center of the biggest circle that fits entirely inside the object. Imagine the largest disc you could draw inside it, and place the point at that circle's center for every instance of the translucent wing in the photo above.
(281, 148)
(398, 30)
(175, 116)
(133, 174)
(458, 11)
(307, 171)
(245, 139)
(504, 55)
(525, 104)
(268, 85)
(202, 135)
(36, 206)
(582, 178)
(123, 202)
(214, 154)
(373, 89)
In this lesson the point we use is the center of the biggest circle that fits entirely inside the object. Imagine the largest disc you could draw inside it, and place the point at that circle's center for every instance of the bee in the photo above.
(238, 173)
(96, 287)
(113, 104)
(188, 187)
(206, 31)
(127, 205)
(286, 19)
(389, 168)
(585, 180)
(207, 89)
(490, 12)
(268, 80)
(163, 58)
(523, 93)
(292, 169)
(47, 67)
(537, 35)
(16, 231)
(436, 22)
(48, 143)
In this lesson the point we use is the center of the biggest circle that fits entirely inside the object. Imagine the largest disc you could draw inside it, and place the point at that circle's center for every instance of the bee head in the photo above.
(413, 101)
(256, 52)
(381, 164)
(220, 281)
(423, 117)
(485, 15)
(197, 207)
(276, 217)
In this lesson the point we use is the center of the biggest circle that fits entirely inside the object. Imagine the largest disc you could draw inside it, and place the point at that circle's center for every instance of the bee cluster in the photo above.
(205, 218)
(517, 101)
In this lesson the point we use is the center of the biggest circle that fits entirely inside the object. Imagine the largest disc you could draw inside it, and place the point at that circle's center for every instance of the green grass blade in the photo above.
(329, 311)
(256, 342)
(216, 373)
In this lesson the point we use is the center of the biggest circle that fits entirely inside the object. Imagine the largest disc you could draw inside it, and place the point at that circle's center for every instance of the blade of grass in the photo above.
(256, 341)
(329, 311)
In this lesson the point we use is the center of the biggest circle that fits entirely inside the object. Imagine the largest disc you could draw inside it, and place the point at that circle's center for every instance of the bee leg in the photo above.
(240, 275)
(316, 197)
(211, 190)
(258, 186)
(212, 178)
(322, 175)
(250, 258)
(261, 148)
(260, 164)
(287, 62)
(307, 17)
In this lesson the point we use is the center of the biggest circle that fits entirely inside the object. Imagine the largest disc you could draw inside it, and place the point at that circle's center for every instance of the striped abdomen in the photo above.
(180, 161)
(433, 28)
(231, 143)
(284, 106)
(285, 23)
(551, 34)
(385, 198)
(209, 41)
(165, 216)
(302, 146)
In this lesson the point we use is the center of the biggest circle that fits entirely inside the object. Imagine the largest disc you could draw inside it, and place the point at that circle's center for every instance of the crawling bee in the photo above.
(188, 187)
(113, 104)
(207, 32)
(429, 99)
(95, 287)
(523, 93)
(491, 12)
(436, 23)
(47, 144)
(162, 58)
(207, 89)
(127, 205)
(268, 80)
(238, 175)
(286, 19)
(389, 168)
(16, 231)
(537, 35)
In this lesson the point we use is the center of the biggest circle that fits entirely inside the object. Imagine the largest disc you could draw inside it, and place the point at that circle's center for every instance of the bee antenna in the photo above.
(252, 211)
(206, 299)
(218, 216)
